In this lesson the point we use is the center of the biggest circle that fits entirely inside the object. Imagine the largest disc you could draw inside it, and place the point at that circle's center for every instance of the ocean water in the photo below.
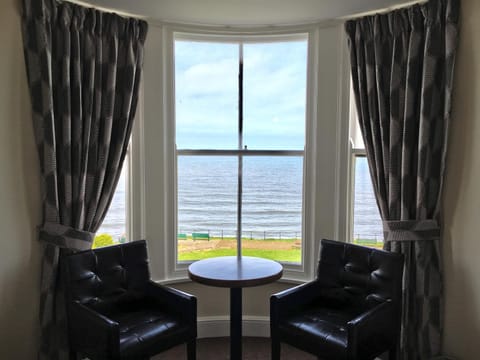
(115, 220)
(272, 201)
(367, 222)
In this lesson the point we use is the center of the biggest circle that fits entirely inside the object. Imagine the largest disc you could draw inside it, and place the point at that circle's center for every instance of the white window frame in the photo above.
(355, 152)
(240, 153)
(136, 175)
(133, 188)
(326, 161)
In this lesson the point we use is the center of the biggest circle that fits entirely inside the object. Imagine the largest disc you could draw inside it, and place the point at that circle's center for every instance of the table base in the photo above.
(235, 323)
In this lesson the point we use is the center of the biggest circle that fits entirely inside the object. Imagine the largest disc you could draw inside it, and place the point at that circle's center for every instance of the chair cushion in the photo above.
(320, 329)
(144, 327)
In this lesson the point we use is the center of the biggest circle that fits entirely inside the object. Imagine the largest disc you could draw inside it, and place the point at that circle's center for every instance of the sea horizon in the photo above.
(272, 205)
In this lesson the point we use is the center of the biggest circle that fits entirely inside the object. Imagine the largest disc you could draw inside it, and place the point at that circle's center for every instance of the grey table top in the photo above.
(233, 272)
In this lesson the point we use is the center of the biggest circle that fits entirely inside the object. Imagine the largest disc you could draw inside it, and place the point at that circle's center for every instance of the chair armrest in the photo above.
(178, 301)
(92, 332)
(374, 329)
(290, 299)
(300, 294)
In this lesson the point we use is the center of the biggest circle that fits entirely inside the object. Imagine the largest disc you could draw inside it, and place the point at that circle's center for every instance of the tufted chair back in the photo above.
(358, 276)
(108, 278)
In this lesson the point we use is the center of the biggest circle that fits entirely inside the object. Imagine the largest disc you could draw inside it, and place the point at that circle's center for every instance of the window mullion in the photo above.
(240, 147)
(244, 152)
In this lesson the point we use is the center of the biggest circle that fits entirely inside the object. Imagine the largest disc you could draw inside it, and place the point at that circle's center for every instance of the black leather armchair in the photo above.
(114, 310)
(351, 311)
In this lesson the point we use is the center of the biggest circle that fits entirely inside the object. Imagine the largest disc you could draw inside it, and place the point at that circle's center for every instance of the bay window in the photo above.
(242, 145)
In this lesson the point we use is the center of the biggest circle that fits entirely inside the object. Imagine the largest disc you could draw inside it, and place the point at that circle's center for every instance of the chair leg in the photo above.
(191, 349)
(275, 349)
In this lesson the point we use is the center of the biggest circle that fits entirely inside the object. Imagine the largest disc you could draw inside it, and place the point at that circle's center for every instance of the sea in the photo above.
(271, 198)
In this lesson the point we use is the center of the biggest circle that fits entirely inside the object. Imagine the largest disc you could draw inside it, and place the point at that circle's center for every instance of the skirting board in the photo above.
(219, 326)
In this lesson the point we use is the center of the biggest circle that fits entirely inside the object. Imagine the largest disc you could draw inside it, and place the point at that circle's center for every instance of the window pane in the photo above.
(206, 95)
(207, 206)
(272, 207)
(114, 227)
(367, 223)
(275, 95)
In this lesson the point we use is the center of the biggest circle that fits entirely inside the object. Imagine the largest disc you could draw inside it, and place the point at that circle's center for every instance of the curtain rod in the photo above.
(326, 21)
(384, 10)
(105, 9)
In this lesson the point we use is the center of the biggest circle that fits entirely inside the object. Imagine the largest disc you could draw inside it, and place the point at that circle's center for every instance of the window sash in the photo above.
(241, 151)
(356, 154)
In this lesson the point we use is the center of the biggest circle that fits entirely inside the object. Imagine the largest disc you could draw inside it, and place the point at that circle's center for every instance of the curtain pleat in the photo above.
(402, 66)
(84, 68)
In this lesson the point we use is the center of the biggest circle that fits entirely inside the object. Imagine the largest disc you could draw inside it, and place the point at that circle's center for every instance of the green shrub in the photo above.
(102, 240)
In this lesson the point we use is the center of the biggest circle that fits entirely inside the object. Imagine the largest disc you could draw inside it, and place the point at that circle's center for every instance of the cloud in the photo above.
(274, 89)
(213, 78)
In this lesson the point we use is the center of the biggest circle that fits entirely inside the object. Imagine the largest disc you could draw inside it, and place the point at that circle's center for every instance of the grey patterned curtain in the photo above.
(402, 68)
(83, 68)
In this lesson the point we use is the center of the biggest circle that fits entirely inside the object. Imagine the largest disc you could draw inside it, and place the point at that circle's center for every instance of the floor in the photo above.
(254, 348)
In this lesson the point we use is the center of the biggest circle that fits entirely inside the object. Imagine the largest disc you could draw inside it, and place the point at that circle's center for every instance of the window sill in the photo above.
(183, 280)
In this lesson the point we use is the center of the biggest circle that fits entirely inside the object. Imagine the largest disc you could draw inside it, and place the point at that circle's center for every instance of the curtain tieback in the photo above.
(65, 236)
(411, 230)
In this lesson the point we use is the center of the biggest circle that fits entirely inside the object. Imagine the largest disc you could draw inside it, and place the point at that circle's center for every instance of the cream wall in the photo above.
(462, 196)
(19, 198)
(20, 204)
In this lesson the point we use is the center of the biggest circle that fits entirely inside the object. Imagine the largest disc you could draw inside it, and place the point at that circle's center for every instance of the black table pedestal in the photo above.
(235, 323)
(235, 272)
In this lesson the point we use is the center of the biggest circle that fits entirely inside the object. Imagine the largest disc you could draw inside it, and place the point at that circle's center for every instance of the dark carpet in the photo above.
(254, 348)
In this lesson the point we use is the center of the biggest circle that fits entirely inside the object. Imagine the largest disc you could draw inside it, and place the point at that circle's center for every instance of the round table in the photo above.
(235, 273)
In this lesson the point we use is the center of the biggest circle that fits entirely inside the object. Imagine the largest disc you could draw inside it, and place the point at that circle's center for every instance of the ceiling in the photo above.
(245, 12)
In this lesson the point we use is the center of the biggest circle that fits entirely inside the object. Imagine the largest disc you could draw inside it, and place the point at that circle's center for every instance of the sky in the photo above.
(206, 93)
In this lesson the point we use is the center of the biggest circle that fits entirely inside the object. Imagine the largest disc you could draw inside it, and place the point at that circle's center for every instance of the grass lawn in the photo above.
(293, 255)
(275, 249)
(369, 243)
(287, 250)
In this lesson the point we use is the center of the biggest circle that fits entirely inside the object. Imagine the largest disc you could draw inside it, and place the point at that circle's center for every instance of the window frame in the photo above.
(354, 153)
(240, 152)
(326, 144)
(133, 163)
(136, 189)
(127, 196)
(355, 139)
